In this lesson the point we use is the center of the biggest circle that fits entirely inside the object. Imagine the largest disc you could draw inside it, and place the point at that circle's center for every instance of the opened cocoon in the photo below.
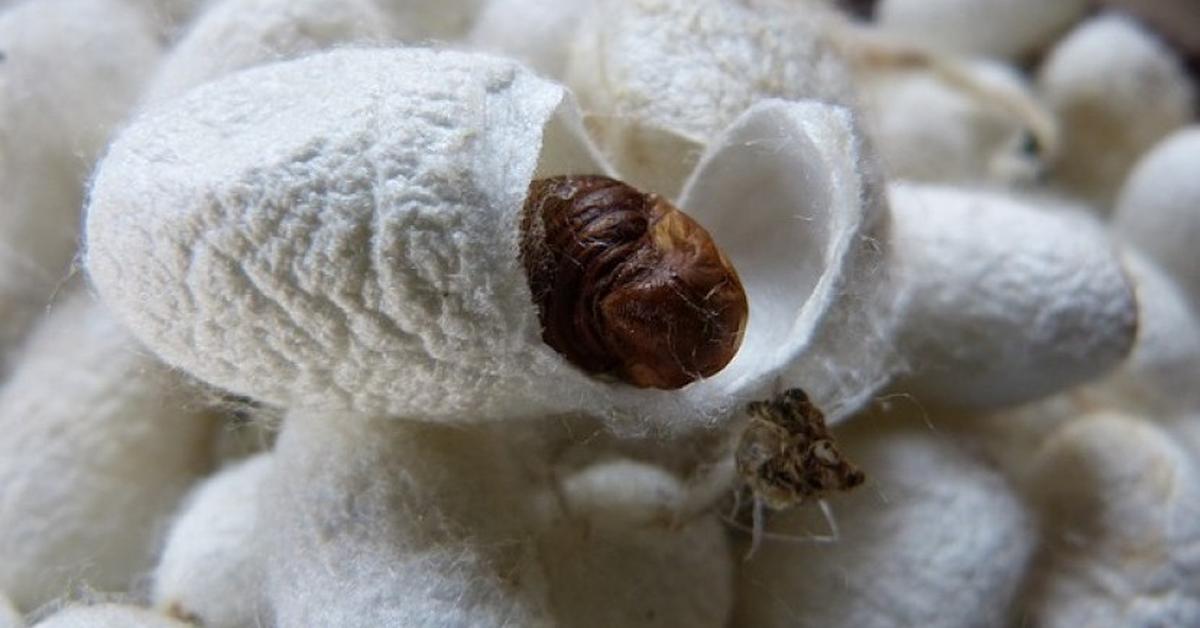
(1160, 374)
(1117, 91)
(1159, 208)
(385, 522)
(987, 28)
(539, 33)
(1007, 301)
(935, 538)
(929, 128)
(1121, 503)
(71, 70)
(617, 555)
(100, 442)
(234, 34)
(342, 232)
(660, 78)
(211, 570)
(109, 616)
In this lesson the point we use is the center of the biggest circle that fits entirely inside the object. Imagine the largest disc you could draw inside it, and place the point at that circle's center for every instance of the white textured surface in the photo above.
(1117, 91)
(930, 129)
(236, 34)
(1008, 301)
(660, 78)
(1161, 373)
(795, 199)
(211, 568)
(341, 232)
(109, 616)
(995, 28)
(538, 33)
(71, 71)
(935, 538)
(615, 555)
(1159, 208)
(100, 442)
(378, 522)
(1121, 502)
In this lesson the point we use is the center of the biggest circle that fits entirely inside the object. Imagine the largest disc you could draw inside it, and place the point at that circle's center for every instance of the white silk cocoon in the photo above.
(1117, 90)
(658, 79)
(1007, 29)
(211, 569)
(1008, 301)
(71, 71)
(377, 522)
(342, 232)
(1159, 208)
(109, 616)
(935, 538)
(1121, 502)
(100, 442)
(235, 34)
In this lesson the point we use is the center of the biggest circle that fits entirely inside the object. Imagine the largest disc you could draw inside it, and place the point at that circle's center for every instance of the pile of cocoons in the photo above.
(270, 355)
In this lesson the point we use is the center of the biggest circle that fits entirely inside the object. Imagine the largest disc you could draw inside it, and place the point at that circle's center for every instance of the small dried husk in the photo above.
(342, 233)
(936, 538)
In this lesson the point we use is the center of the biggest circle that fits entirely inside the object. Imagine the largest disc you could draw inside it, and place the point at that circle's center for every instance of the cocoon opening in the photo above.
(342, 233)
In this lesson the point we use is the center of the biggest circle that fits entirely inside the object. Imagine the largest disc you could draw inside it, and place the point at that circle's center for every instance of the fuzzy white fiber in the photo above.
(380, 522)
(991, 28)
(341, 233)
(1121, 502)
(658, 79)
(1117, 91)
(617, 555)
(211, 569)
(100, 442)
(1159, 208)
(936, 538)
(109, 616)
(71, 71)
(538, 33)
(1008, 301)
(235, 34)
